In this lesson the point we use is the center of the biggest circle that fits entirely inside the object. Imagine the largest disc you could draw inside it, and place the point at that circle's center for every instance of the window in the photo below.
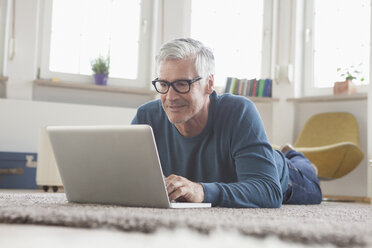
(77, 31)
(3, 9)
(337, 36)
(238, 32)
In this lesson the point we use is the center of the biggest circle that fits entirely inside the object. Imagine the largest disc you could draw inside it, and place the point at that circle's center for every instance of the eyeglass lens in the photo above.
(181, 86)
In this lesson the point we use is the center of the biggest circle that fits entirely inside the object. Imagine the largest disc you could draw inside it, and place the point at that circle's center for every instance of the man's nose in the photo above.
(172, 93)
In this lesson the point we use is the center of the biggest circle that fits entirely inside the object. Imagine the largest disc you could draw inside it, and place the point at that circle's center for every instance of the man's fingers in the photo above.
(172, 176)
(178, 194)
(181, 189)
(173, 184)
(170, 179)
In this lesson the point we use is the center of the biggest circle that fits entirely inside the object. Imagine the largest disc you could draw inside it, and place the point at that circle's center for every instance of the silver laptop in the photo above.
(111, 165)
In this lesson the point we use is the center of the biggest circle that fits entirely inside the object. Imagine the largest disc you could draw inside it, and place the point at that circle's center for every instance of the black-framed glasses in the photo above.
(182, 86)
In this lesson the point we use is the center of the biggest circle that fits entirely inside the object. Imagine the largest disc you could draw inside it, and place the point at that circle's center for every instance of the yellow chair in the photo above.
(331, 142)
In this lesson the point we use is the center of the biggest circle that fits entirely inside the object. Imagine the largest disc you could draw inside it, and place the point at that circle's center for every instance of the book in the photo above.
(257, 87)
(248, 86)
(233, 86)
(228, 84)
(266, 89)
(254, 87)
(269, 88)
(251, 87)
(261, 88)
(245, 87)
(237, 87)
(242, 85)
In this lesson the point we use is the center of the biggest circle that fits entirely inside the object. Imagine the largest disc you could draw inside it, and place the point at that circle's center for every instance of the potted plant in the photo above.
(349, 74)
(100, 67)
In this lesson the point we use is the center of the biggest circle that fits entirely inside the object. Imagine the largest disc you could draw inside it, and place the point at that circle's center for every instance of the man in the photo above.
(213, 148)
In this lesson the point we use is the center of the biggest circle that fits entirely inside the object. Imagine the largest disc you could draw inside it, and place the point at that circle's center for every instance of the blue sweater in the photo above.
(231, 157)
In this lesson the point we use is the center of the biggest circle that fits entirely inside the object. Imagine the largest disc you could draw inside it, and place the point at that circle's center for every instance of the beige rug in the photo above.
(340, 224)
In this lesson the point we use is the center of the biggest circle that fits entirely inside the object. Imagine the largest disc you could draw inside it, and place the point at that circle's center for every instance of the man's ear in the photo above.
(210, 84)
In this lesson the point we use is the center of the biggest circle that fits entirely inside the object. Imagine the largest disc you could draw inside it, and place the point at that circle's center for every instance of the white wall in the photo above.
(89, 97)
(266, 110)
(21, 120)
(356, 182)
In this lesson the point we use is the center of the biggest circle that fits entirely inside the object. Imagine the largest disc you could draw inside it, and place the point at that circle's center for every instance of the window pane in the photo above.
(341, 39)
(233, 30)
(84, 29)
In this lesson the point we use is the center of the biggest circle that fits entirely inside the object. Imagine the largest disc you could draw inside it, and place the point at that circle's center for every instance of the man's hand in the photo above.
(181, 189)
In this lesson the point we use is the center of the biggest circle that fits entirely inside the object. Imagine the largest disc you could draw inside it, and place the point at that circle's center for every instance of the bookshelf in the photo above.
(258, 99)
(251, 88)
(220, 91)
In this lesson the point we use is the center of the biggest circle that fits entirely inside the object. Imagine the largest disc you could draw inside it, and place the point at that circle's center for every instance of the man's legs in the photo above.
(303, 186)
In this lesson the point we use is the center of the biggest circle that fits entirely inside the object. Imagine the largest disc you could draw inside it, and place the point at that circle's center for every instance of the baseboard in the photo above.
(360, 199)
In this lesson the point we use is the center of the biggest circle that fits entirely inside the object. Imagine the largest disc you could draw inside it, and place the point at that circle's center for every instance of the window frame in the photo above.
(268, 39)
(308, 59)
(144, 50)
(5, 9)
(268, 36)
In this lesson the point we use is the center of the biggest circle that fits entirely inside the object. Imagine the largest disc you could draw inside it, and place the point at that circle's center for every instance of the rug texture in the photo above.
(340, 224)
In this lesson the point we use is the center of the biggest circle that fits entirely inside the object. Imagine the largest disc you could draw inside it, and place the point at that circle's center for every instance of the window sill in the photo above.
(254, 99)
(3, 80)
(330, 98)
(92, 87)
(262, 99)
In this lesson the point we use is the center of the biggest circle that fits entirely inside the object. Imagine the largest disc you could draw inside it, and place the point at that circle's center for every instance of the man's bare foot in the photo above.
(315, 168)
(285, 148)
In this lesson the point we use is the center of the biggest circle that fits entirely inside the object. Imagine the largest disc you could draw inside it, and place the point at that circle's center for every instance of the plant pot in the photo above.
(100, 79)
(345, 87)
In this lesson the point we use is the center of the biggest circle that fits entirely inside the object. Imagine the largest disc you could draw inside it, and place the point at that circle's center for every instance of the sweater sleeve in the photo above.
(135, 119)
(258, 183)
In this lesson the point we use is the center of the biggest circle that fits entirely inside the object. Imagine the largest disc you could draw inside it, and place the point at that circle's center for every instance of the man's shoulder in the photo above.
(231, 108)
(229, 101)
(150, 106)
(150, 112)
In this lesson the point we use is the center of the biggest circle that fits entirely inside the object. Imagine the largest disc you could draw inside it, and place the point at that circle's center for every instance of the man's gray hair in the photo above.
(185, 48)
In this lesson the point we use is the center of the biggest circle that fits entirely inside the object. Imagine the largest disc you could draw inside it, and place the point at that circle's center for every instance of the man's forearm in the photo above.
(251, 194)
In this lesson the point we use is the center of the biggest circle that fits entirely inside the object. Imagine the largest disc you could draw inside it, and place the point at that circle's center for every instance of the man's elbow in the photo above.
(275, 204)
(271, 203)
(274, 199)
